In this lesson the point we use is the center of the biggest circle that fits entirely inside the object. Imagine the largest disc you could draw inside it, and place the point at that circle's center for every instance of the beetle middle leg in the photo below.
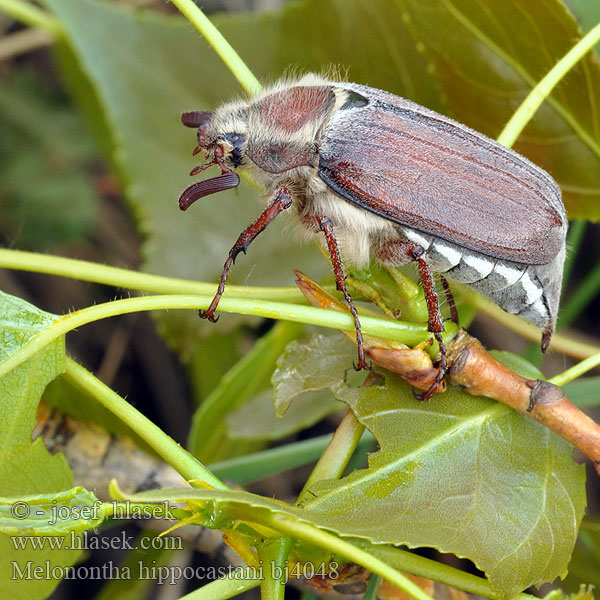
(283, 200)
(340, 283)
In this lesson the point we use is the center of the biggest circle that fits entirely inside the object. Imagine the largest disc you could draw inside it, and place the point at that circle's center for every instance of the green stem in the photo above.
(133, 280)
(273, 555)
(542, 90)
(372, 587)
(244, 469)
(576, 370)
(225, 588)
(311, 534)
(220, 45)
(334, 459)
(407, 333)
(31, 15)
(437, 571)
(160, 442)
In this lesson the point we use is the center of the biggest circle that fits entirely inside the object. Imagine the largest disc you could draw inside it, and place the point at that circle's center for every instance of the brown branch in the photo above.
(480, 374)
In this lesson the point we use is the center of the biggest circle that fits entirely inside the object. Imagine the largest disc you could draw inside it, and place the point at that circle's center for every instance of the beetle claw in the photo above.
(362, 365)
(207, 314)
(426, 395)
(418, 395)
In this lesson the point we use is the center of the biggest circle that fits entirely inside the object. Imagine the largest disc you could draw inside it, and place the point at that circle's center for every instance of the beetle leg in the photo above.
(283, 200)
(546, 336)
(340, 283)
(436, 324)
(450, 298)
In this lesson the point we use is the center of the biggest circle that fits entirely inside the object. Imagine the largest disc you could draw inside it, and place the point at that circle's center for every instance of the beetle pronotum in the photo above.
(380, 176)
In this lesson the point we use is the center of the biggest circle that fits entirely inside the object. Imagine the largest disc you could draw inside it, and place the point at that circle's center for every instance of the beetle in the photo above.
(382, 177)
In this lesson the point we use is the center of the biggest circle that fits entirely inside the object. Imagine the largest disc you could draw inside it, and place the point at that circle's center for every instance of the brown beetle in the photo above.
(383, 177)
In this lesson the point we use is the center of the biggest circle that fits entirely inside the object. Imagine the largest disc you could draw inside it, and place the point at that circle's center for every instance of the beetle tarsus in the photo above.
(206, 314)
(362, 364)
(283, 200)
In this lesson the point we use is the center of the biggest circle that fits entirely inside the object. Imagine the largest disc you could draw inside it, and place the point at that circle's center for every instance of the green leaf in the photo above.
(489, 55)
(26, 467)
(225, 509)
(583, 392)
(57, 514)
(209, 439)
(48, 195)
(587, 13)
(20, 391)
(296, 374)
(211, 359)
(464, 475)
(257, 420)
(584, 568)
(517, 364)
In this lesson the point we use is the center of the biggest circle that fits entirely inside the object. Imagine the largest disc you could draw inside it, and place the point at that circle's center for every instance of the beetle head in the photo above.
(224, 150)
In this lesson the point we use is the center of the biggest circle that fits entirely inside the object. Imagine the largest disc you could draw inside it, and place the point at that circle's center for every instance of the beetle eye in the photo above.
(236, 140)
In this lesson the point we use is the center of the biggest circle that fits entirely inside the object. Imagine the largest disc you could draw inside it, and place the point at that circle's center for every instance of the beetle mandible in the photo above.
(380, 176)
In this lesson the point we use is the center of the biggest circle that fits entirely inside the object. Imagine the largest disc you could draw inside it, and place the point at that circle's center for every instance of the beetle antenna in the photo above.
(198, 190)
(195, 118)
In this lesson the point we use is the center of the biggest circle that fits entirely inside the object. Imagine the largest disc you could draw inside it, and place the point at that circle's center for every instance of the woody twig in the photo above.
(480, 374)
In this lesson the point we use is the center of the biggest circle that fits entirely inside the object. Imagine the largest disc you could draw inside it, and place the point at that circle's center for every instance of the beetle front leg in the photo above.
(283, 200)
(340, 283)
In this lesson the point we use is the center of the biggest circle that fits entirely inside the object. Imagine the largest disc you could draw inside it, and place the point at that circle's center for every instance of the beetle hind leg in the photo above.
(436, 323)
(450, 299)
